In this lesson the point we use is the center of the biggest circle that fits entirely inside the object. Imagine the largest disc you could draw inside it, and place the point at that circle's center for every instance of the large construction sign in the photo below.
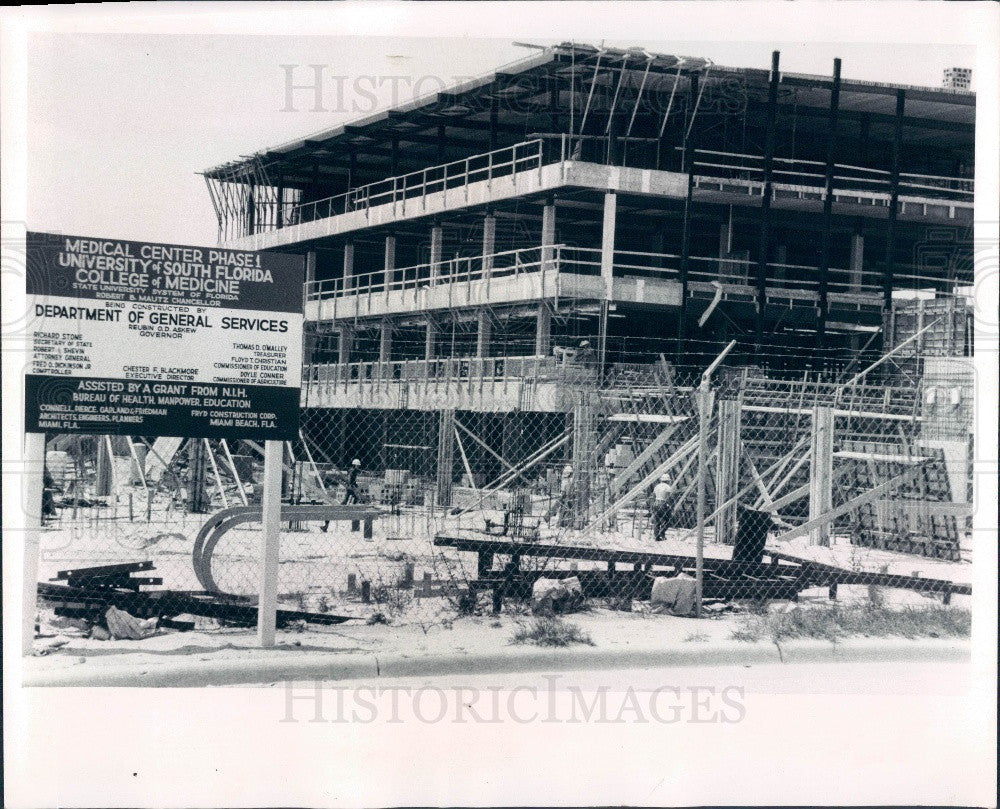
(157, 339)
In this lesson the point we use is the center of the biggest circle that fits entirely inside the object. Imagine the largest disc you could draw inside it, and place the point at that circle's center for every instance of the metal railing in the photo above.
(560, 259)
(458, 269)
(797, 172)
(736, 272)
(541, 369)
(488, 166)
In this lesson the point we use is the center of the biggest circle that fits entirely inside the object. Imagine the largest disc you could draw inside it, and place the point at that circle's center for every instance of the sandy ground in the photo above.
(316, 568)
(415, 642)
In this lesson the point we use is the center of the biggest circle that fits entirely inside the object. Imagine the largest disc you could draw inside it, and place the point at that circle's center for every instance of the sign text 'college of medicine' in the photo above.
(157, 339)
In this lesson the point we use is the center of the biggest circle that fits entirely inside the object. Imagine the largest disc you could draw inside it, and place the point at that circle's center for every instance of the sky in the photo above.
(119, 125)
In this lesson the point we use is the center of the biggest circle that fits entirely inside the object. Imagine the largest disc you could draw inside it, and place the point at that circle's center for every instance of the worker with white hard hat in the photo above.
(351, 495)
(662, 495)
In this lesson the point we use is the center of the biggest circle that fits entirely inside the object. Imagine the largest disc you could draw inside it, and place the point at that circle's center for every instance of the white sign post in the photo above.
(136, 338)
(267, 605)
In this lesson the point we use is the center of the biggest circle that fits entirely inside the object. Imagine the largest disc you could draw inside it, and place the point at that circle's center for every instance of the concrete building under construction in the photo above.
(551, 251)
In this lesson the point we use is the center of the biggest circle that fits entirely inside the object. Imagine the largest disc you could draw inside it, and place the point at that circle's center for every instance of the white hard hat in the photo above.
(584, 343)
(665, 478)
(567, 470)
(355, 462)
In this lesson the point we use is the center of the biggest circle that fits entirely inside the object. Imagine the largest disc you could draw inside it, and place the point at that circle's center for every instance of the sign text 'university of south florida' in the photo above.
(156, 339)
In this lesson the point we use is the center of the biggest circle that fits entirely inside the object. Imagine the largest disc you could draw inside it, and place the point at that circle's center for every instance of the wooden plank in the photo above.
(850, 505)
(104, 570)
(622, 478)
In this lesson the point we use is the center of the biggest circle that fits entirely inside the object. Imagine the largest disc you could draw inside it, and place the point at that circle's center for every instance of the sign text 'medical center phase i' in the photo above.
(155, 339)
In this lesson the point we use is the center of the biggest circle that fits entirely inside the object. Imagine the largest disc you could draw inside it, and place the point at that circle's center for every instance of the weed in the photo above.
(551, 631)
(395, 600)
(696, 637)
(864, 620)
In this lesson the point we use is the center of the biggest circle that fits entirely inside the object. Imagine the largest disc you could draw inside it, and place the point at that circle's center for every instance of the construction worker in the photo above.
(585, 355)
(563, 506)
(351, 484)
(662, 495)
(351, 495)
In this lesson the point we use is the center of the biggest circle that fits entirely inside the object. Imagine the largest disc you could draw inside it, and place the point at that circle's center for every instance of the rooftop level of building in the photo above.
(540, 167)
(623, 109)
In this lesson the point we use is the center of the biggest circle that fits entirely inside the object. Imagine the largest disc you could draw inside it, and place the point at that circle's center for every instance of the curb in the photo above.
(331, 667)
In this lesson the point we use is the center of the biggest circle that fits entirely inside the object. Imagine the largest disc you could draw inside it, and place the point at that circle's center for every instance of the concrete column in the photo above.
(821, 472)
(780, 257)
(385, 342)
(445, 456)
(543, 331)
(489, 241)
(608, 242)
(345, 341)
(548, 231)
(857, 260)
(726, 242)
(390, 260)
(430, 341)
(437, 237)
(349, 280)
(310, 270)
(102, 468)
(484, 333)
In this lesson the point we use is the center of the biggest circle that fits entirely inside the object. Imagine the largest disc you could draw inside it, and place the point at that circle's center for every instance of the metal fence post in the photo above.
(705, 399)
(821, 471)
(704, 418)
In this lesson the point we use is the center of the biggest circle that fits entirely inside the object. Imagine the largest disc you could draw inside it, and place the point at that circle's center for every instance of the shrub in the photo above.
(871, 620)
(551, 631)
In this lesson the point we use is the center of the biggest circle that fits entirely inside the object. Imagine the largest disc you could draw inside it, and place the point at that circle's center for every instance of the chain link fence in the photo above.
(656, 489)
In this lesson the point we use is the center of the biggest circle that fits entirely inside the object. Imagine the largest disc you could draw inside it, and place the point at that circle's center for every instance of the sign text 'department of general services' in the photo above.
(155, 339)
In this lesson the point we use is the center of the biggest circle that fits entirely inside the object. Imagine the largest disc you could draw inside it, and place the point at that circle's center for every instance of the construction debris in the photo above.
(675, 595)
(104, 595)
(122, 626)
